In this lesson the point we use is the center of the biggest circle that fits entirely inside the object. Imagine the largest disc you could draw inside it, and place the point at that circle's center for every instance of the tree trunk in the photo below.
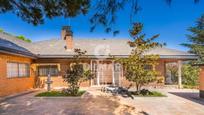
(137, 87)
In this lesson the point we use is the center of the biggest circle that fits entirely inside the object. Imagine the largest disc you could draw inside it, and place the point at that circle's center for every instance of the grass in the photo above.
(157, 94)
(190, 87)
(58, 94)
(150, 94)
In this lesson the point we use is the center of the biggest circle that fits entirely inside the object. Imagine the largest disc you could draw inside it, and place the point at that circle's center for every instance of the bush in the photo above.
(77, 74)
(1, 30)
(24, 38)
(190, 75)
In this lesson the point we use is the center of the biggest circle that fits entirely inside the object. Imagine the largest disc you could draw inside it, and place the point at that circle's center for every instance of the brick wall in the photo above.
(201, 80)
(58, 81)
(14, 85)
(160, 68)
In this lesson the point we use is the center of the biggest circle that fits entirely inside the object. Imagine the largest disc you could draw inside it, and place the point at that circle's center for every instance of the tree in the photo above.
(139, 66)
(77, 74)
(103, 12)
(24, 38)
(1, 30)
(190, 75)
(19, 37)
(196, 39)
(35, 11)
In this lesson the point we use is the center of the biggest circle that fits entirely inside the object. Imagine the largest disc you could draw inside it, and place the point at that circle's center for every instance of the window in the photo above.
(15, 69)
(12, 70)
(117, 67)
(86, 66)
(44, 70)
(23, 70)
(94, 67)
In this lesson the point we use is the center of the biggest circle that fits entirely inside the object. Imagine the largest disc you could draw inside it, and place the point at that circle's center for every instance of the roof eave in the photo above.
(18, 53)
(191, 57)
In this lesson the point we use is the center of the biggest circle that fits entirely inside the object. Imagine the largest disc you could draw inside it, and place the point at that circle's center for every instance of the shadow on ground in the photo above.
(192, 96)
(87, 105)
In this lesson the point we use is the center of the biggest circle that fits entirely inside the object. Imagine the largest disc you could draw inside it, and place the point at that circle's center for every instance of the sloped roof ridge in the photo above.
(47, 40)
(175, 50)
(13, 37)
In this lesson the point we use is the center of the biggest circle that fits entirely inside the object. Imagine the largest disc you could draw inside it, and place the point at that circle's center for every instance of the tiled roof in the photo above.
(16, 41)
(8, 46)
(94, 47)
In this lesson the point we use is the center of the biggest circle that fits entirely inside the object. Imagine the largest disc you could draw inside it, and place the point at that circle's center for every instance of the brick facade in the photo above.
(40, 81)
(201, 79)
(14, 85)
(58, 81)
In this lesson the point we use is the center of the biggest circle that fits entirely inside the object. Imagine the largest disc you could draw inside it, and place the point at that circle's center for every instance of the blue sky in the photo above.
(158, 18)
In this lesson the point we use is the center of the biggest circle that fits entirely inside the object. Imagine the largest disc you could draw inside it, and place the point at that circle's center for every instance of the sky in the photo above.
(171, 22)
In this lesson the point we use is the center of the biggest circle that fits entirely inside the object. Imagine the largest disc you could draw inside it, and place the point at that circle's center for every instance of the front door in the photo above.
(117, 74)
(103, 71)
(106, 72)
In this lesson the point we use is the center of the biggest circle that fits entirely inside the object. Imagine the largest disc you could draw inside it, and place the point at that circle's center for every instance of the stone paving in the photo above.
(177, 102)
(87, 105)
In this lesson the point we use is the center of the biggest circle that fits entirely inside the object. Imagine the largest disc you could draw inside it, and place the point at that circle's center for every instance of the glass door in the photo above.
(94, 71)
(117, 73)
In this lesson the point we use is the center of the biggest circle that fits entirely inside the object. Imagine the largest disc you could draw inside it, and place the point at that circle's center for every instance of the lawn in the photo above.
(58, 94)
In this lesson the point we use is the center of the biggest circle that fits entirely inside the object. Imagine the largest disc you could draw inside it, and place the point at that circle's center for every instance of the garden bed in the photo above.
(59, 94)
(149, 94)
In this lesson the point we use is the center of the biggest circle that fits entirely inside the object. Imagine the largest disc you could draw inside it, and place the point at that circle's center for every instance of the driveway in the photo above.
(87, 105)
(177, 102)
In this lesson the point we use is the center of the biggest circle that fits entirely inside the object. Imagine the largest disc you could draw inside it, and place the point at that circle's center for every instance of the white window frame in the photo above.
(17, 75)
(47, 68)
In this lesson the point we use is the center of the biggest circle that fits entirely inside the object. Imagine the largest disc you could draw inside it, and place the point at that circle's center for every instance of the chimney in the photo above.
(67, 35)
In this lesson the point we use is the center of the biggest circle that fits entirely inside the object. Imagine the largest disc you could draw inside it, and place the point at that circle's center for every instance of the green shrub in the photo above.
(58, 94)
(147, 93)
(190, 75)
(24, 38)
(77, 74)
(1, 30)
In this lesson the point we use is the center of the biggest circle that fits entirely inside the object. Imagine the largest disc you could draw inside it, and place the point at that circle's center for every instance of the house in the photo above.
(26, 65)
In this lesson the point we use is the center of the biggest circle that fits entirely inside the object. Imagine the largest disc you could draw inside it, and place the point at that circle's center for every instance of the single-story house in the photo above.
(26, 65)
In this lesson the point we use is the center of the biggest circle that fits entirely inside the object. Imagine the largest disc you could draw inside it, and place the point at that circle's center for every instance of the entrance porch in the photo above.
(107, 72)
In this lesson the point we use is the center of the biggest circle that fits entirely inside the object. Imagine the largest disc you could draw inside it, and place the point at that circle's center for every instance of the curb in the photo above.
(17, 95)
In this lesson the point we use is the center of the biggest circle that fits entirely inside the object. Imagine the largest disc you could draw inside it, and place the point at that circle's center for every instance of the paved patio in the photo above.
(178, 102)
(88, 105)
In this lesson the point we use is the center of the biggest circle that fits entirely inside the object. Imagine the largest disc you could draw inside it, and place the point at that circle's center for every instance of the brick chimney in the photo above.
(67, 35)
